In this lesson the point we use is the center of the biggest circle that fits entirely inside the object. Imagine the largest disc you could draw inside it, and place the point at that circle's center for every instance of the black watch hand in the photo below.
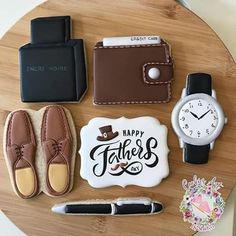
(203, 114)
(194, 115)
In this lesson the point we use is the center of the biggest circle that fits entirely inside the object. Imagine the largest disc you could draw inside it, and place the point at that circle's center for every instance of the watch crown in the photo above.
(226, 120)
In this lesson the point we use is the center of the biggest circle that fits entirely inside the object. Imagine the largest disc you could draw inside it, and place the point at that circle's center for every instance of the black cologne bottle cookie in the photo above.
(52, 66)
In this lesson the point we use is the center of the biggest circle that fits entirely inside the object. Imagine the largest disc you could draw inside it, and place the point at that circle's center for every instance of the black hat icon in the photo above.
(107, 133)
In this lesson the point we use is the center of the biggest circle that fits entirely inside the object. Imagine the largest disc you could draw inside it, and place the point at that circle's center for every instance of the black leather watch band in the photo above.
(196, 154)
(197, 83)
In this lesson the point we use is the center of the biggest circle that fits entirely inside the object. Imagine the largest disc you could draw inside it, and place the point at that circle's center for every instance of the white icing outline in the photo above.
(153, 207)
(113, 209)
(121, 202)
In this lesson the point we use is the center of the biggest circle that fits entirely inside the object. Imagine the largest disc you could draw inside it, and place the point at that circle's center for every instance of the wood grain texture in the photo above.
(195, 48)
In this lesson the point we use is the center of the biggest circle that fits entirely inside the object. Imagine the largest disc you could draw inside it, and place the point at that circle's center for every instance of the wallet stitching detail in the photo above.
(165, 45)
(168, 83)
(155, 63)
(139, 102)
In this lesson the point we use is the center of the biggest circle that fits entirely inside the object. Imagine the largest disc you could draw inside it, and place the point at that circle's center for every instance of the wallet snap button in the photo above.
(154, 73)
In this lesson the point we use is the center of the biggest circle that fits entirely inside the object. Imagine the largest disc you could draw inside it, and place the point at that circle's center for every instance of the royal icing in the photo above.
(124, 152)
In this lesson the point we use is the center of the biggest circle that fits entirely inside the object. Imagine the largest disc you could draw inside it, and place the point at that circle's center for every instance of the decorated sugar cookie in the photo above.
(40, 151)
(124, 152)
(202, 204)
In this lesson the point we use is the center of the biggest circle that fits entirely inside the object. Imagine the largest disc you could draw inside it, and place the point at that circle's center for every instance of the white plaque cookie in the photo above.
(124, 152)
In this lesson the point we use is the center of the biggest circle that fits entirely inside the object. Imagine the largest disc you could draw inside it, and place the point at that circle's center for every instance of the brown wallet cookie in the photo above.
(124, 74)
(40, 151)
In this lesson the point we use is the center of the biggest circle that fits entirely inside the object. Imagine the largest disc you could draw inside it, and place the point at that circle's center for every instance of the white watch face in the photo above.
(198, 118)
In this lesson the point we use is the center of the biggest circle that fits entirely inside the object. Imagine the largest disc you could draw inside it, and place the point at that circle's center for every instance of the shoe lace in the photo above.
(19, 151)
(57, 147)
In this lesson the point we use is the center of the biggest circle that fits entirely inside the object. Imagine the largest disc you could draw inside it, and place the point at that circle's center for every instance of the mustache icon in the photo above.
(121, 164)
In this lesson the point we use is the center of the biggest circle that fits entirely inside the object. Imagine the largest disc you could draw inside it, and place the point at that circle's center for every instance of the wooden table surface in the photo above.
(195, 48)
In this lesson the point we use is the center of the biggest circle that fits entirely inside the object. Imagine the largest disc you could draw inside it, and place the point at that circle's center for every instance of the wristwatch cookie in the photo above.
(124, 152)
(197, 118)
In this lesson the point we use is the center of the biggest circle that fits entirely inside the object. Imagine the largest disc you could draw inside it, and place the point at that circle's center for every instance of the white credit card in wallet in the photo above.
(131, 40)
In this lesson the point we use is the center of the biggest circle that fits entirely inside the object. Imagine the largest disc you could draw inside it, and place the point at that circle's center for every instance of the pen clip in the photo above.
(144, 201)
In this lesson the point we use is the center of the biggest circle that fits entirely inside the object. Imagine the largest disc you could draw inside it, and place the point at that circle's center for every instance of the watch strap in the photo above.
(199, 83)
(196, 154)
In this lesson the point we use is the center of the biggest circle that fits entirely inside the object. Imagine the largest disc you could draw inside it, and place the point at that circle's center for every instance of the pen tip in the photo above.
(59, 209)
(158, 207)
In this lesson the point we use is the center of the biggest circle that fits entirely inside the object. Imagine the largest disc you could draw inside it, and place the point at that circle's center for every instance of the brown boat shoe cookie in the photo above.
(20, 147)
(40, 149)
(57, 147)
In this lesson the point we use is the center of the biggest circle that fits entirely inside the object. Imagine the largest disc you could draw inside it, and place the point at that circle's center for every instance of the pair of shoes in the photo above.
(56, 145)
